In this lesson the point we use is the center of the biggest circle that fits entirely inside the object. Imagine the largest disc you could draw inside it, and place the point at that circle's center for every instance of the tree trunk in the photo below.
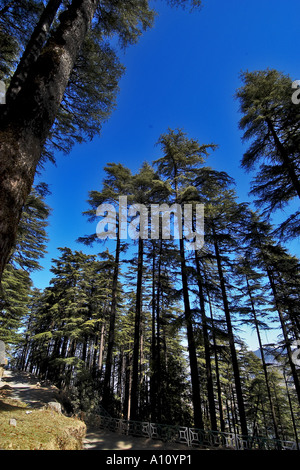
(219, 389)
(291, 410)
(234, 359)
(153, 361)
(210, 388)
(263, 361)
(158, 340)
(101, 348)
(198, 420)
(111, 333)
(32, 51)
(127, 388)
(137, 332)
(24, 129)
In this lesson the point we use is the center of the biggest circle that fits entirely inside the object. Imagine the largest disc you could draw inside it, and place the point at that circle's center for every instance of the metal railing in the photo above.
(191, 437)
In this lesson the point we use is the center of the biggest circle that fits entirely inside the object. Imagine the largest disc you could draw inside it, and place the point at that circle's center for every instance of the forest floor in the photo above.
(28, 389)
(27, 422)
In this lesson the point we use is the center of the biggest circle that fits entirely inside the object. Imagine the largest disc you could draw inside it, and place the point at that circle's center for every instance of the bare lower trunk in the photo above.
(107, 391)
(234, 359)
(137, 336)
(263, 360)
(25, 127)
(208, 367)
(16, 178)
(198, 419)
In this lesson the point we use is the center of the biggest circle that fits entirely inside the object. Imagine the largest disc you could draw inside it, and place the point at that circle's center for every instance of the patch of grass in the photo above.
(41, 429)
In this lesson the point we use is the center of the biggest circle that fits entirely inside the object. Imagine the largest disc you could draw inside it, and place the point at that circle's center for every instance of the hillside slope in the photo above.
(27, 424)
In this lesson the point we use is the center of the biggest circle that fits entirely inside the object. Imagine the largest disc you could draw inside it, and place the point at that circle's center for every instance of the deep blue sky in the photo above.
(183, 73)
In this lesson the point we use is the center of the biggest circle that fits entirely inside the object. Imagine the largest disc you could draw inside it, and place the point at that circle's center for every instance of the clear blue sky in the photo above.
(183, 73)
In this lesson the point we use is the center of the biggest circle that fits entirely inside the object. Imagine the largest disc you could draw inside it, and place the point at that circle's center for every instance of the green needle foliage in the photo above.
(29, 249)
(270, 121)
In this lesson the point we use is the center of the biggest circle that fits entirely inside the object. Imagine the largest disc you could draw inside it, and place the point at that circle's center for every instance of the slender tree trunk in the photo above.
(233, 412)
(142, 357)
(254, 427)
(195, 382)
(158, 339)
(291, 410)
(264, 420)
(69, 369)
(30, 357)
(94, 353)
(127, 388)
(26, 348)
(219, 389)
(101, 347)
(153, 377)
(234, 359)
(210, 387)
(24, 129)
(111, 333)
(120, 366)
(155, 384)
(228, 415)
(84, 349)
(137, 331)
(263, 360)
(278, 412)
(198, 419)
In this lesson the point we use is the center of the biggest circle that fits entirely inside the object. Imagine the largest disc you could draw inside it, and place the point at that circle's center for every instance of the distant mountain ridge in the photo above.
(269, 358)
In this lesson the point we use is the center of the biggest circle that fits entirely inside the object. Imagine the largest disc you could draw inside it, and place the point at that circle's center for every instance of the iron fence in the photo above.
(191, 437)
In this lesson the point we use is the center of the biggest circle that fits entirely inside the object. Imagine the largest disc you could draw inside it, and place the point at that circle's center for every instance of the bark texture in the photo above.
(26, 125)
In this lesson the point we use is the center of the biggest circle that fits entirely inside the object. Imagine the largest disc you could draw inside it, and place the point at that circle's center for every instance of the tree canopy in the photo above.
(148, 327)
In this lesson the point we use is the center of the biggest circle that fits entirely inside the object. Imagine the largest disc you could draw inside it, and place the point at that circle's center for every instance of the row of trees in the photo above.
(152, 336)
(150, 328)
(62, 75)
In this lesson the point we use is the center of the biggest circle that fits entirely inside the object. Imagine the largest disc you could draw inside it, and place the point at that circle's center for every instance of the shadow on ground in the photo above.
(27, 388)
(100, 439)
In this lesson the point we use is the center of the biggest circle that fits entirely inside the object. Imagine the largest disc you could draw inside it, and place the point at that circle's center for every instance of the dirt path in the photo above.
(27, 388)
(105, 440)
